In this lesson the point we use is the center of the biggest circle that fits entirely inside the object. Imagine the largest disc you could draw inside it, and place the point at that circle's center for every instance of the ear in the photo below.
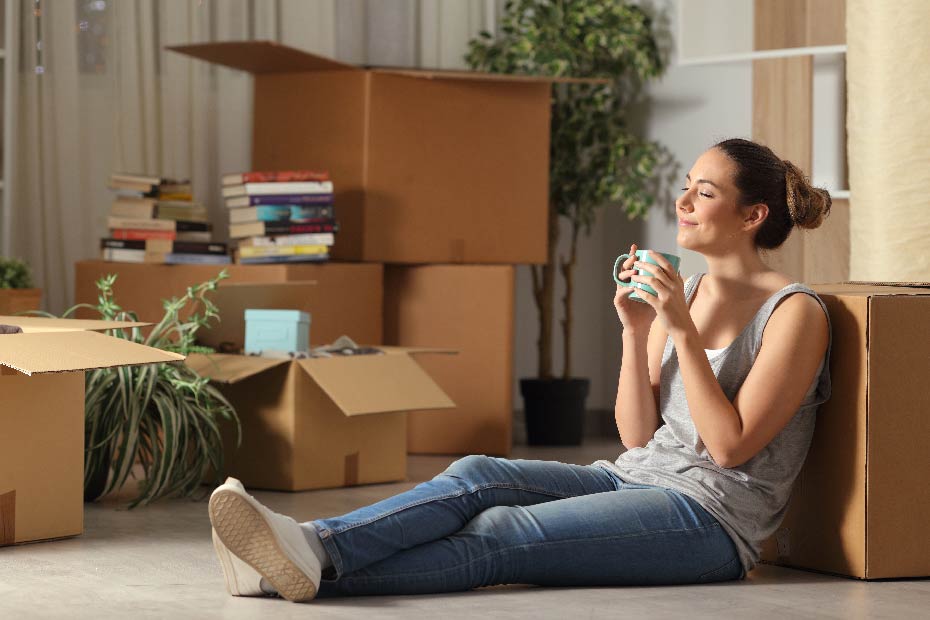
(754, 215)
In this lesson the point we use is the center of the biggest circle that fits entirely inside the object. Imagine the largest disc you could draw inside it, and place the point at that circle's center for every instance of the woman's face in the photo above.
(708, 216)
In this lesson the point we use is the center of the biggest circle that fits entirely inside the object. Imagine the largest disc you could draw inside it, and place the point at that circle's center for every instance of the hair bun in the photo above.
(808, 205)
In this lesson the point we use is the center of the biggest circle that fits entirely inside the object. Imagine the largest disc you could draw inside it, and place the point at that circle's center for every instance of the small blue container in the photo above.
(278, 330)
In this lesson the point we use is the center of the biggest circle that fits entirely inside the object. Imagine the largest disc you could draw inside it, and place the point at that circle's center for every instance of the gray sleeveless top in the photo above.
(750, 500)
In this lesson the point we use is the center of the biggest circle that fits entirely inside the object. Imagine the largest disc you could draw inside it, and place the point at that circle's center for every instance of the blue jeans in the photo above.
(488, 521)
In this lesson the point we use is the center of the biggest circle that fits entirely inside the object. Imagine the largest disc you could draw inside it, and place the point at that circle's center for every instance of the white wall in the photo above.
(692, 107)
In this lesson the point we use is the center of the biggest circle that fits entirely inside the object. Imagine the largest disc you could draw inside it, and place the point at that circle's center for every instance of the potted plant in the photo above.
(16, 291)
(164, 417)
(595, 157)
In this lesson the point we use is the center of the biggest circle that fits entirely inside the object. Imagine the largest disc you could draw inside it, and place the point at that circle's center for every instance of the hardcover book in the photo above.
(261, 189)
(285, 240)
(280, 199)
(276, 176)
(266, 229)
(281, 213)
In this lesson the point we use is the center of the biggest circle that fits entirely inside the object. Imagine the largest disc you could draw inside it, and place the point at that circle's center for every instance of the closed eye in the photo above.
(705, 195)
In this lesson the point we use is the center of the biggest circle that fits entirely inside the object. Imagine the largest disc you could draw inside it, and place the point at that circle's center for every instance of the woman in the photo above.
(719, 384)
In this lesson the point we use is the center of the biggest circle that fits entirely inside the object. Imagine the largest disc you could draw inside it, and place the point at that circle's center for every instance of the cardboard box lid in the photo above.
(65, 351)
(364, 384)
(32, 324)
(260, 57)
(358, 385)
(861, 288)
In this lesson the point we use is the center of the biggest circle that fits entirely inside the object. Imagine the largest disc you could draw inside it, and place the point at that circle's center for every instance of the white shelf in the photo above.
(787, 52)
(839, 194)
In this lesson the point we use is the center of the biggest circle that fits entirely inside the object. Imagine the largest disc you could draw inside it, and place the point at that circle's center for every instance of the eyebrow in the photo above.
(688, 176)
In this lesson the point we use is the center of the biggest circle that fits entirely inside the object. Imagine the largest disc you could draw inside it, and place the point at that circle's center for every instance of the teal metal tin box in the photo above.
(276, 330)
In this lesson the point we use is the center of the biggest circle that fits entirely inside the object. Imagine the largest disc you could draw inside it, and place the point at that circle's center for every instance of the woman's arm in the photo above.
(637, 412)
(793, 344)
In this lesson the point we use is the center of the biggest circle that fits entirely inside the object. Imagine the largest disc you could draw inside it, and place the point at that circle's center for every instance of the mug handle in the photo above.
(617, 263)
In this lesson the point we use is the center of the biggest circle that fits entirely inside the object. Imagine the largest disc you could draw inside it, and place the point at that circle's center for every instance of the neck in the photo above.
(736, 274)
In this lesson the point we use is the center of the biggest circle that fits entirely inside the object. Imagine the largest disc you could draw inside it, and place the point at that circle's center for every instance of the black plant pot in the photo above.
(554, 410)
(94, 487)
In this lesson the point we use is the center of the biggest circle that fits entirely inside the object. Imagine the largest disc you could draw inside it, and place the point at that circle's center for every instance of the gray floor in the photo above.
(158, 562)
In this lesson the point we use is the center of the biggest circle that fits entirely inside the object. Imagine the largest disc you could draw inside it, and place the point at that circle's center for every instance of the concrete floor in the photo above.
(158, 562)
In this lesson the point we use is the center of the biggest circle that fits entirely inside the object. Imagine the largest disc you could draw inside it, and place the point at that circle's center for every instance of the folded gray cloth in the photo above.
(10, 329)
(342, 346)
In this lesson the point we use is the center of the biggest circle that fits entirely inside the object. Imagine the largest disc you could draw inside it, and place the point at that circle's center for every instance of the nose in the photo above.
(684, 202)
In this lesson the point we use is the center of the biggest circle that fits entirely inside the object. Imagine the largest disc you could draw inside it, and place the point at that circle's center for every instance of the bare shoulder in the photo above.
(799, 317)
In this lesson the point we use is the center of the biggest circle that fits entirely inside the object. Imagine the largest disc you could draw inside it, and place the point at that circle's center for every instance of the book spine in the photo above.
(123, 244)
(293, 258)
(196, 259)
(288, 240)
(284, 250)
(300, 229)
(194, 247)
(132, 233)
(188, 226)
(285, 176)
(280, 200)
(140, 224)
(307, 187)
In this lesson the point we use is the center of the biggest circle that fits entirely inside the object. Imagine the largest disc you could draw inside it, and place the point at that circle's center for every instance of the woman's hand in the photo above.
(635, 316)
(669, 304)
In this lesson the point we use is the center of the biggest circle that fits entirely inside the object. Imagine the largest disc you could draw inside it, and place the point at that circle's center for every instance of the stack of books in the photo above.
(281, 216)
(155, 220)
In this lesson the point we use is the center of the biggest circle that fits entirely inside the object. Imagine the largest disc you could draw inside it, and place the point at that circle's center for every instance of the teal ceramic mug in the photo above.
(642, 257)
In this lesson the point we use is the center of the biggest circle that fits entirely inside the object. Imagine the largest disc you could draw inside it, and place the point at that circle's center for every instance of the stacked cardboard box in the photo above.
(861, 504)
(42, 400)
(440, 175)
(336, 307)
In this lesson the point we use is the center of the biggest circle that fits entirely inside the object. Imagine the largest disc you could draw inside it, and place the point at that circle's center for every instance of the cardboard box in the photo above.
(428, 166)
(42, 412)
(16, 300)
(321, 422)
(468, 308)
(345, 299)
(861, 504)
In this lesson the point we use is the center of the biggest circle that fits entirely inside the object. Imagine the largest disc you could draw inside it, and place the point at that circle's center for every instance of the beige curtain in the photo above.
(136, 107)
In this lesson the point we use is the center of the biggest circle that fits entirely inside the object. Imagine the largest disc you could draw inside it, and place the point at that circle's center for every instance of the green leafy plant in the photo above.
(595, 157)
(163, 416)
(14, 273)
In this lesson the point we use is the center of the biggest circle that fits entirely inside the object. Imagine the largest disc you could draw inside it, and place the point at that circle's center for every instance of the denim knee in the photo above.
(469, 467)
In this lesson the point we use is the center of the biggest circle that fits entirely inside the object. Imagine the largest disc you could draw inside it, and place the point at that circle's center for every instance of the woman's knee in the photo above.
(469, 467)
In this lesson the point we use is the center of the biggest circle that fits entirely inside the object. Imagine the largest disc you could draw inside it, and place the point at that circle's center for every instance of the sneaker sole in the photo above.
(246, 533)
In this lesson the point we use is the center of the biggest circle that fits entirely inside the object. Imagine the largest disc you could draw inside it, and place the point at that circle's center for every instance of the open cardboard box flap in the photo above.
(361, 384)
(357, 384)
(867, 289)
(65, 351)
(31, 324)
(268, 57)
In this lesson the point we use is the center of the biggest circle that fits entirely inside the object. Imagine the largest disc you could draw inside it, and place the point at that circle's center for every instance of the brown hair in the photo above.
(762, 177)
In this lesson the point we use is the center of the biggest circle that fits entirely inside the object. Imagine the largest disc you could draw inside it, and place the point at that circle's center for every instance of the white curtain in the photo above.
(98, 93)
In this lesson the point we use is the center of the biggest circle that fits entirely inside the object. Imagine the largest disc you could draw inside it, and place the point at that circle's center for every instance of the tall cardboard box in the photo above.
(861, 505)
(42, 414)
(321, 422)
(468, 308)
(428, 166)
(345, 298)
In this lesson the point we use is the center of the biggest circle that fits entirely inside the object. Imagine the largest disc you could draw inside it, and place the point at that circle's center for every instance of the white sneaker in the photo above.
(241, 579)
(269, 544)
